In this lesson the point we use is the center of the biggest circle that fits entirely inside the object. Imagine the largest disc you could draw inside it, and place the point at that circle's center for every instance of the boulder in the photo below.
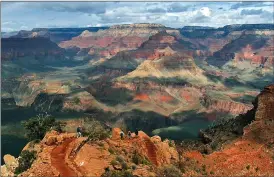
(63, 137)
(51, 140)
(5, 171)
(10, 162)
(48, 135)
(165, 153)
(53, 137)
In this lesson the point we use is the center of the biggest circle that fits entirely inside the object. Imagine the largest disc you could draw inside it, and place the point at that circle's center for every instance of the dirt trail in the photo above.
(151, 151)
(58, 156)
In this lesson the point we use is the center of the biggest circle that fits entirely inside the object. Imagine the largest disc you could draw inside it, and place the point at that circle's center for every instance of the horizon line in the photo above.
(140, 23)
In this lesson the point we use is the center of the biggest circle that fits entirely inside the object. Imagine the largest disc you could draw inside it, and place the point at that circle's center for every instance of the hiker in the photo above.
(79, 131)
(122, 135)
(129, 134)
(136, 132)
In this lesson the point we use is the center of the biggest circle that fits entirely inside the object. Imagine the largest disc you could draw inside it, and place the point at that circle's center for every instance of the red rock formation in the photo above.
(158, 53)
(141, 97)
(229, 107)
(249, 155)
(120, 37)
(76, 157)
(261, 130)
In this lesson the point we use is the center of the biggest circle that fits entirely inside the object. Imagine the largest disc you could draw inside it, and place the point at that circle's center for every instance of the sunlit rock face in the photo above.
(59, 154)
(117, 38)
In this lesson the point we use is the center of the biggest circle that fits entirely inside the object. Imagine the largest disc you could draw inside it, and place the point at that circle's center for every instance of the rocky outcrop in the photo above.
(264, 118)
(11, 163)
(228, 106)
(245, 143)
(63, 154)
(54, 138)
(43, 165)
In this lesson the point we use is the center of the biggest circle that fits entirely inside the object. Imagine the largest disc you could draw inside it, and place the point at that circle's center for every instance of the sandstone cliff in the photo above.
(245, 143)
(107, 43)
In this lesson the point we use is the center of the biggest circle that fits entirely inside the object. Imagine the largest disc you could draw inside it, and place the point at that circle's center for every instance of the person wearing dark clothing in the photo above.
(136, 132)
(122, 135)
(79, 131)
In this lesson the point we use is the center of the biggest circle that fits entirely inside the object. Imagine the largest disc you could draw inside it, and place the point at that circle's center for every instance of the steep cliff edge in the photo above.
(245, 143)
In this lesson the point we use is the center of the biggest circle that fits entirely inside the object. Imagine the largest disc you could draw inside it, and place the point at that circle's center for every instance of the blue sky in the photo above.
(27, 15)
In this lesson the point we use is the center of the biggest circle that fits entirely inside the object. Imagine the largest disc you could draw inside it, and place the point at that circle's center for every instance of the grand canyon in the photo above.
(201, 99)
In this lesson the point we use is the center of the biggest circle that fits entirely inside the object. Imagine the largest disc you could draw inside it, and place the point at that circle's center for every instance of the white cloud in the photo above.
(173, 14)
(205, 11)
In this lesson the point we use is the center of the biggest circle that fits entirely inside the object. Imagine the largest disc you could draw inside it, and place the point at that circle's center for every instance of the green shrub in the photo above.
(114, 173)
(95, 130)
(138, 159)
(32, 143)
(125, 151)
(37, 127)
(171, 143)
(248, 167)
(58, 126)
(214, 145)
(111, 151)
(124, 165)
(120, 159)
(204, 167)
(169, 171)
(134, 167)
(26, 159)
(76, 100)
(204, 173)
(114, 162)
(101, 144)
(183, 170)
(197, 170)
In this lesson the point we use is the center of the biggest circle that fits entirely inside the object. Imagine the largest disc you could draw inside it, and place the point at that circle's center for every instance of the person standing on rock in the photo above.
(79, 131)
(122, 135)
(136, 132)
(129, 134)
